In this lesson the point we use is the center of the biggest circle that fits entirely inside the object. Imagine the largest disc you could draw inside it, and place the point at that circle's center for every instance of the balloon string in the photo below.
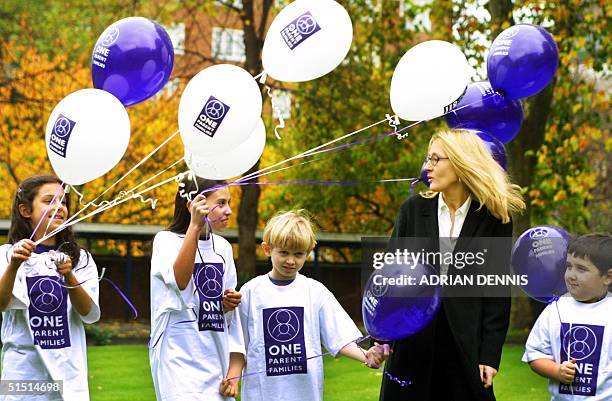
(112, 204)
(276, 111)
(46, 211)
(555, 299)
(125, 297)
(306, 153)
(147, 157)
(309, 183)
(357, 341)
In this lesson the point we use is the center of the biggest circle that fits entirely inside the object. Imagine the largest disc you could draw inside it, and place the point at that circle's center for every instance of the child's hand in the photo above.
(567, 371)
(63, 263)
(198, 209)
(377, 354)
(21, 252)
(229, 388)
(231, 299)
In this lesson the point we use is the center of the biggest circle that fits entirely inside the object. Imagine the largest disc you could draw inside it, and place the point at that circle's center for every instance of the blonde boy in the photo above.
(286, 318)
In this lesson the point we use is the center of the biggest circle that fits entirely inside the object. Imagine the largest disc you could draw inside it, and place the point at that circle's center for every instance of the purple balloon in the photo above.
(496, 148)
(483, 109)
(424, 179)
(522, 61)
(540, 253)
(132, 59)
(393, 312)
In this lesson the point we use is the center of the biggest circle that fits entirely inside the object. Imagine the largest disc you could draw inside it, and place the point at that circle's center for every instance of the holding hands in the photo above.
(377, 354)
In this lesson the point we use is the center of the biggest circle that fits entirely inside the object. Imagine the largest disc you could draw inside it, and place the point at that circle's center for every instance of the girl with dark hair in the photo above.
(45, 295)
(192, 295)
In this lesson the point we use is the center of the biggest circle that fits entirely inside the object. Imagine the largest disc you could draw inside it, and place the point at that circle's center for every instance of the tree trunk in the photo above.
(248, 214)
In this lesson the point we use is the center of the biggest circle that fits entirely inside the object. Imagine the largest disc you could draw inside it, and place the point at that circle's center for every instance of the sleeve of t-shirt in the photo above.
(87, 273)
(236, 333)
(19, 297)
(243, 323)
(538, 344)
(165, 293)
(337, 328)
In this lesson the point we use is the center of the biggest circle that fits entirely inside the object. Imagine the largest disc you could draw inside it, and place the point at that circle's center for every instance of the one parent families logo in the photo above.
(60, 135)
(299, 30)
(583, 342)
(211, 116)
(208, 279)
(48, 312)
(284, 341)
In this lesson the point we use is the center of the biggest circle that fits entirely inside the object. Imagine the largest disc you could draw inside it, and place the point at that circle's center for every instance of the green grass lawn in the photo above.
(121, 372)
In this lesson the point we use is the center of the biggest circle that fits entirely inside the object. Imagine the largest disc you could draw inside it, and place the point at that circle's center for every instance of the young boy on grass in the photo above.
(286, 318)
(572, 345)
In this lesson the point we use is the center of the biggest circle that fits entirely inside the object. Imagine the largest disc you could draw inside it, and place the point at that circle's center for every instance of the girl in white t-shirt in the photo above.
(286, 318)
(45, 297)
(192, 296)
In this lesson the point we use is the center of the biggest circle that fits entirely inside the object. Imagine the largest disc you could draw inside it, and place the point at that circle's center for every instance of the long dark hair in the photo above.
(20, 226)
(193, 185)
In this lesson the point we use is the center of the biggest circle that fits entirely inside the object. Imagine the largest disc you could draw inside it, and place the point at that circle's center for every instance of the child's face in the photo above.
(286, 263)
(584, 280)
(40, 203)
(220, 210)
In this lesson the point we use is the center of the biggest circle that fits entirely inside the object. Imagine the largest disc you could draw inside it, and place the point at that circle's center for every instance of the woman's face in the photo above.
(441, 176)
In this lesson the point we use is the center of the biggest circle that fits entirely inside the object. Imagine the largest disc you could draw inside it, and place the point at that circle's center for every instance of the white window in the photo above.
(228, 44)
(282, 103)
(177, 36)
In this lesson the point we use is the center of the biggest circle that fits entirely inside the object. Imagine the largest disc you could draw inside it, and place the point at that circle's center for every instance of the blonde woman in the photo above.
(457, 356)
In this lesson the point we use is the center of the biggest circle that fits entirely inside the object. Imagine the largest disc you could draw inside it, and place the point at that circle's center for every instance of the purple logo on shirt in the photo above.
(48, 312)
(583, 342)
(208, 279)
(60, 135)
(299, 30)
(211, 116)
(284, 341)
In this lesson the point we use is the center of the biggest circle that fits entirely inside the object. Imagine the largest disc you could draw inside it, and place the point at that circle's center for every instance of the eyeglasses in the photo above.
(434, 159)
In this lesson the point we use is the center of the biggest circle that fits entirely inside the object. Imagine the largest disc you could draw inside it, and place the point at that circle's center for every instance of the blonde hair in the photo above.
(484, 177)
(291, 230)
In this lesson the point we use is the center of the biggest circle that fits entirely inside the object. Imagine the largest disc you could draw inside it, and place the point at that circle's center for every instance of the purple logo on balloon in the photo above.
(284, 341)
(538, 232)
(111, 37)
(60, 135)
(583, 342)
(208, 280)
(48, 312)
(211, 116)
(299, 30)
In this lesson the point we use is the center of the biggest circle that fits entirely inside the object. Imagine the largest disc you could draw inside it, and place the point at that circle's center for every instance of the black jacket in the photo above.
(478, 324)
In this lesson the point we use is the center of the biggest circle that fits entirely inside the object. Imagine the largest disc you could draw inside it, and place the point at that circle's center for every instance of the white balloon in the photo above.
(306, 40)
(219, 108)
(232, 163)
(428, 80)
(87, 134)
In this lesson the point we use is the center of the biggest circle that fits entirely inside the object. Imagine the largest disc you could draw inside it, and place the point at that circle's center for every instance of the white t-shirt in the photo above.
(283, 326)
(189, 346)
(42, 334)
(586, 333)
